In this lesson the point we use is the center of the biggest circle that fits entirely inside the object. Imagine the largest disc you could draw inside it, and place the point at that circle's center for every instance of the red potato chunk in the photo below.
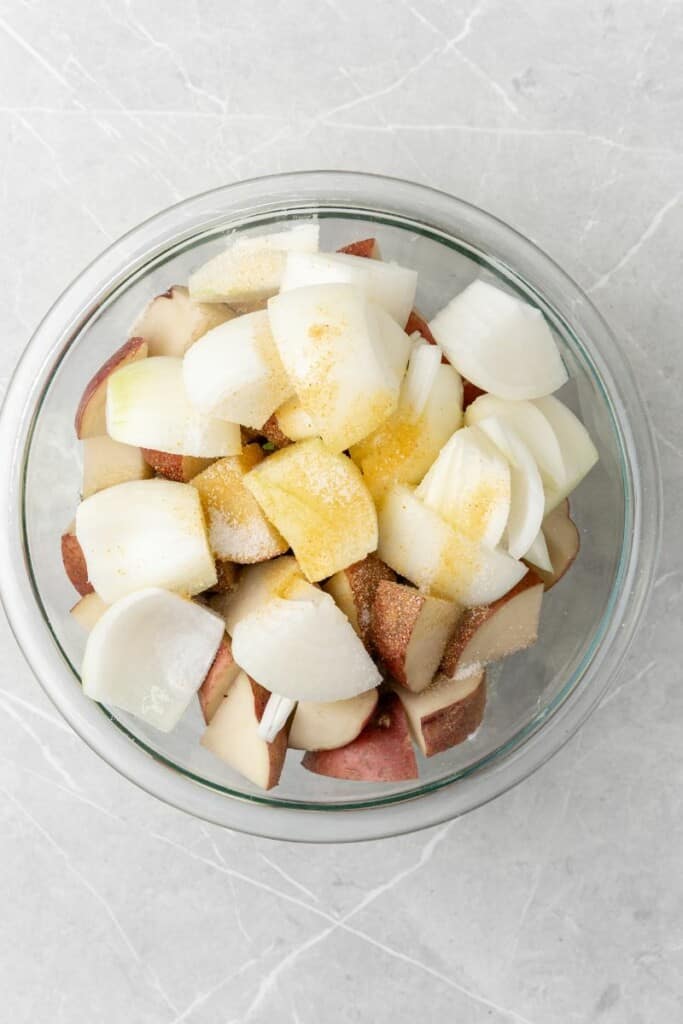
(74, 563)
(446, 713)
(487, 633)
(367, 247)
(354, 590)
(220, 677)
(410, 631)
(382, 753)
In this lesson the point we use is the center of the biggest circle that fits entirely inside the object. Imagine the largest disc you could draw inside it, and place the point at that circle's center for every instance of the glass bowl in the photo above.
(537, 699)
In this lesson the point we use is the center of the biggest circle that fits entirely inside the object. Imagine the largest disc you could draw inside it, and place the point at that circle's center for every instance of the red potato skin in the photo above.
(471, 620)
(559, 572)
(419, 324)
(271, 430)
(366, 247)
(278, 748)
(134, 348)
(452, 725)
(416, 322)
(180, 468)
(364, 578)
(74, 564)
(228, 577)
(248, 434)
(470, 392)
(383, 752)
(164, 463)
(215, 681)
(393, 622)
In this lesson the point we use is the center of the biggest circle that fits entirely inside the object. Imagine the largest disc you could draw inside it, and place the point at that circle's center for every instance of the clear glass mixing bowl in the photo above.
(536, 699)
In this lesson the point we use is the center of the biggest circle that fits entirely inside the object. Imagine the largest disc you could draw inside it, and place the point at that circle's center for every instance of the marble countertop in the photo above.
(561, 901)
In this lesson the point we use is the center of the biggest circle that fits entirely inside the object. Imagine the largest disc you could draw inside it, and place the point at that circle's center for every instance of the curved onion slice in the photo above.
(149, 653)
(301, 646)
(418, 544)
(234, 372)
(275, 715)
(147, 405)
(419, 379)
(392, 344)
(392, 287)
(469, 486)
(527, 501)
(578, 451)
(330, 345)
(251, 268)
(502, 345)
(530, 425)
(402, 449)
(538, 554)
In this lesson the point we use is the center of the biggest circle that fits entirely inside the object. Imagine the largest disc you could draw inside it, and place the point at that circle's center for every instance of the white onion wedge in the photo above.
(418, 544)
(234, 372)
(530, 425)
(302, 646)
(469, 486)
(395, 344)
(390, 286)
(146, 533)
(578, 451)
(499, 343)
(526, 498)
(148, 655)
(277, 711)
(330, 346)
(233, 735)
(538, 554)
(147, 405)
(250, 269)
(423, 368)
(402, 449)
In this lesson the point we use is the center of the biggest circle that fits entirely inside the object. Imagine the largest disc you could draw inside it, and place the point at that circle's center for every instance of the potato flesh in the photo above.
(107, 463)
(172, 322)
(318, 502)
(238, 530)
(326, 725)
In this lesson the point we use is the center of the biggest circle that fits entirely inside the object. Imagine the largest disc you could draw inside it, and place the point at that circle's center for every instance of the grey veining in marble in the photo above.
(560, 902)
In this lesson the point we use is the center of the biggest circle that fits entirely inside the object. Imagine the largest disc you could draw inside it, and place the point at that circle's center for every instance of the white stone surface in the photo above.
(560, 902)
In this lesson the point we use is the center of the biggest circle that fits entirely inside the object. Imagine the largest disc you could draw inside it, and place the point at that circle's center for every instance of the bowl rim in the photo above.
(131, 254)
